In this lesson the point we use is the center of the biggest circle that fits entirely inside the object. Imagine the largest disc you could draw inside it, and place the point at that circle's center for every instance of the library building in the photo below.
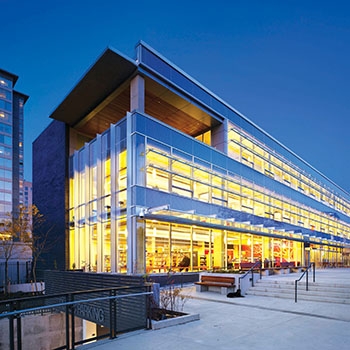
(145, 170)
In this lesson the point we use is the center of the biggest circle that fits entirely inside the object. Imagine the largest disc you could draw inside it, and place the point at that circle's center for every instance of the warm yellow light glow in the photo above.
(250, 151)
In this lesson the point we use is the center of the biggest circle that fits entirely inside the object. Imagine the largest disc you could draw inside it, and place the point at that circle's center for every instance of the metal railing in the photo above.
(251, 271)
(17, 272)
(306, 272)
(70, 306)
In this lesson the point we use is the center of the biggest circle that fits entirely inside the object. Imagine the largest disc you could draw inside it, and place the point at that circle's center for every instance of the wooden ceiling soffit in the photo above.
(104, 104)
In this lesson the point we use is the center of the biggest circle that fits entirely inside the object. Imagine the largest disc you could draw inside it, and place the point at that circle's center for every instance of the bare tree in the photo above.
(39, 242)
(27, 226)
(7, 242)
(13, 233)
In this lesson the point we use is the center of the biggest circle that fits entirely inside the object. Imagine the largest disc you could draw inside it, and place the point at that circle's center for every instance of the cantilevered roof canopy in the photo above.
(101, 98)
(110, 71)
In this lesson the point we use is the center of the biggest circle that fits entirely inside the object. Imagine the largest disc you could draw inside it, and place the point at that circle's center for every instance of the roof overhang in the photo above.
(11, 76)
(25, 97)
(109, 71)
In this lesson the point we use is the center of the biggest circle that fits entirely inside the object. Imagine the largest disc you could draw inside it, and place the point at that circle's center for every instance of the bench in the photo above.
(224, 284)
(286, 264)
(283, 267)
(245, 266)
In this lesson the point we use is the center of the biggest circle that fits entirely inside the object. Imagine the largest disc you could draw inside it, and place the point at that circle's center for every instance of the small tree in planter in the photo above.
(171, 302)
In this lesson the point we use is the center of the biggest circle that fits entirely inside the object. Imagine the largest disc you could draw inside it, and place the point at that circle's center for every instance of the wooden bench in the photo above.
(224, 284)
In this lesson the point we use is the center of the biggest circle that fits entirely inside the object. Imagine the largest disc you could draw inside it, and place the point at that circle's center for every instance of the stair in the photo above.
(318, 291)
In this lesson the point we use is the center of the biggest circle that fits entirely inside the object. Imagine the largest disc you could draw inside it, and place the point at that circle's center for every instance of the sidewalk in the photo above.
(251, 322)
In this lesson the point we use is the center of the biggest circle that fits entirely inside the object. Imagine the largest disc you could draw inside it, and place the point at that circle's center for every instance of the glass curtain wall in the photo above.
(177, 248)
(97, 197)
(6, 131)
(180, 248)
(99, 235)
(251, 152)
(166, 172)
(179, 176)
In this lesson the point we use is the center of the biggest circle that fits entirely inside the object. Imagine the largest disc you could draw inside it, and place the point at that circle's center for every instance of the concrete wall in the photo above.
(40, 332)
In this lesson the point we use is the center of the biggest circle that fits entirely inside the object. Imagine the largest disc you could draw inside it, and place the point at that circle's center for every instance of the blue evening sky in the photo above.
(284, 64)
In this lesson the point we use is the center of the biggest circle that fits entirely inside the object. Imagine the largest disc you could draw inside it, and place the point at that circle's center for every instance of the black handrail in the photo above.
(14, 311)
(251, 270)
(307, 279)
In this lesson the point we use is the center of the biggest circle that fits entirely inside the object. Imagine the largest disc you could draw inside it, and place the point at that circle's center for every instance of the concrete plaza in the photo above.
(250, 323)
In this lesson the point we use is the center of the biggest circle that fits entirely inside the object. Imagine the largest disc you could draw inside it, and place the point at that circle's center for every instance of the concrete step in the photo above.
(342, 292)
(301, 292)
(303, 283)
(315, 287)
(322, 292)
(308, 297)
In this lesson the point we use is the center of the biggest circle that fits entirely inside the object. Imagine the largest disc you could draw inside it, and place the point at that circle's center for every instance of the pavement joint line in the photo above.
(300, 313)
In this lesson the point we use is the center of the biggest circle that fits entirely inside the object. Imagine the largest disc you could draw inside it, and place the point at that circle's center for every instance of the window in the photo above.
(234, 150)
(122, 171)
(247, 157)
(5, 94)
(201, 191)
(4, 116)
(181, 185)
(5, 140)
(5, 82)
(157, 179)
(7, 106)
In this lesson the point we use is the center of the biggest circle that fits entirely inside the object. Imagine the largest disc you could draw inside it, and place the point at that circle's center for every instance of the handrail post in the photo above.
(19, 331)
(251, 271)
(113, 315)
(111, 327)
(11, 328)
(73, 323)
(149, 309)
(311, 265)
(67, 322)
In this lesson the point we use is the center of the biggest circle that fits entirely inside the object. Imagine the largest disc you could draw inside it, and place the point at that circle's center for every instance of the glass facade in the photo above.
(159, 66)
(6, 160)
(216, 217)
(98, 184)
(11, 145)
(151, 195)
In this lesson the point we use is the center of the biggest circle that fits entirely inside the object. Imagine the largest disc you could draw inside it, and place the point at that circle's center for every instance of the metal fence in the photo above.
(18, 272)
(109, 307)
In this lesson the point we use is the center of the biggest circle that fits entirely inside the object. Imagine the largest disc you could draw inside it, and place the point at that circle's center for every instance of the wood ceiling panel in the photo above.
(161, 104)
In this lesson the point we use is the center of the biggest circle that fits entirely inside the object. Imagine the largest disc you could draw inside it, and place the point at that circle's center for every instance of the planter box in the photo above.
(27, 287)
(174, 319)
